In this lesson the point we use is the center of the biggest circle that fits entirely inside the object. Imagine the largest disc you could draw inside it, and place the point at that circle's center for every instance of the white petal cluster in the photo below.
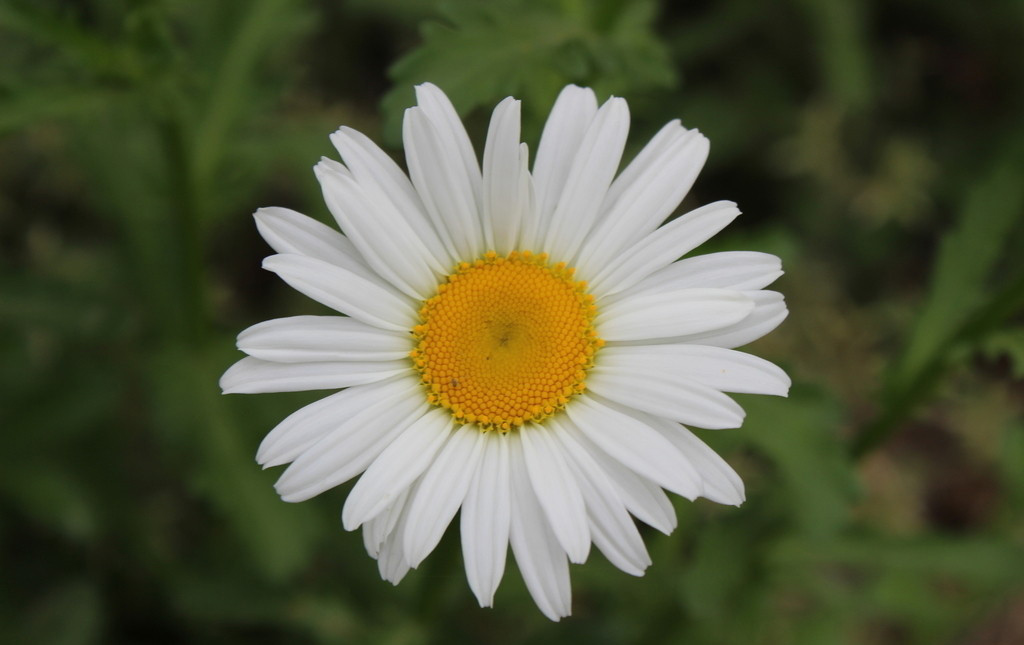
(548, 490)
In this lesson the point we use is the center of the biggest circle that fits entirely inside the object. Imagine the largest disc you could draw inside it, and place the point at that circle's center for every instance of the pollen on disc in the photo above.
(506, 340)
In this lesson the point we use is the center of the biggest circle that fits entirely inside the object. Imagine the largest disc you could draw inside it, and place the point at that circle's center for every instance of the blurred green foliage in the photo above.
(876, 146)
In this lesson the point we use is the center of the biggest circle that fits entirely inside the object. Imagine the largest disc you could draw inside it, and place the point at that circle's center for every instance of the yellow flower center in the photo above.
(506, 340)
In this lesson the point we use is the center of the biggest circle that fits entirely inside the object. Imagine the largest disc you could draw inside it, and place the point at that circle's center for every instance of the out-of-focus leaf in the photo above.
(961, 306)
(529, 49)
(232, 86)
(21, 106)
(898, 592)
(51, 497)
(36, 303)
(842, 43)
(967, 255)
(715, 573)
(975, 559)
(329, 617)
(190, 409)
(66, 615)
(1011, 457)
(800, 435)
(93, 51)
(406, 11)
(232, 598)
(52, 398)
(1008, 343)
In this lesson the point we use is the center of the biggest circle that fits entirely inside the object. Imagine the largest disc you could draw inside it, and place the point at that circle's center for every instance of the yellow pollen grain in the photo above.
(506, 340)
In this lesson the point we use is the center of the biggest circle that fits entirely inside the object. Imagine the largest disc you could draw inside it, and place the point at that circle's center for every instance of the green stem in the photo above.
(900, 407)
(904, 401)
(236, 71)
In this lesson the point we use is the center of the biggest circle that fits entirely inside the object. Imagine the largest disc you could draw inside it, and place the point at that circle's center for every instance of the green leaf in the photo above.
(961, 308)
(1011, 456)
(967, 256)
(24, 106)
(67, 615)
(36, 302)
(800, 435)
(716, 574)
(843, 49)
(259, 28)
(279, 537)
(52, 497)
(978, 559)
(95, 52)
(1008, 343)
(530, 49)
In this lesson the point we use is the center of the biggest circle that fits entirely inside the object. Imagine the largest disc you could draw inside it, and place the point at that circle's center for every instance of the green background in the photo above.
(877, 147)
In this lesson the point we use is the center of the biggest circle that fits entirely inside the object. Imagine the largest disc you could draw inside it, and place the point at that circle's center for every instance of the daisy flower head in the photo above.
(519, 345)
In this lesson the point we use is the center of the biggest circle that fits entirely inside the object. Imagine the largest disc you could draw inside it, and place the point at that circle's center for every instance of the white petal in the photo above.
(287, 231)
(254, 376)
(722, 369)
(663, 185)
(335, 167)
(302, 339)
(441, 493)
(591, 173)
(381, 233)
(769, 311)
(436, 106)
(485, 518)
(635, 445)
(531, 222)
(671, 313)
(721, 483)
(650, 157)
(612, 528)
(563, 133)
(441, 179)
(391, 560)
(396, 468)
(619, 540)
(666, 395)
(642, 497)
(662, 247)
(645, 194)
(370, 542)
(541, 559)
(502, 185)
(373, 303)
(376, 530)
(740, 270)
(347, 450)
(309, 424)
(557, 490)
(385, 181)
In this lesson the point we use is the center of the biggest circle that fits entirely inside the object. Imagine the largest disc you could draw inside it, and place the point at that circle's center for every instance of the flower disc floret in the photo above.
(506, 340)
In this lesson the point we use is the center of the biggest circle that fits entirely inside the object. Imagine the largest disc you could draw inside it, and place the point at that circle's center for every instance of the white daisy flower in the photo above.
(523, 346)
